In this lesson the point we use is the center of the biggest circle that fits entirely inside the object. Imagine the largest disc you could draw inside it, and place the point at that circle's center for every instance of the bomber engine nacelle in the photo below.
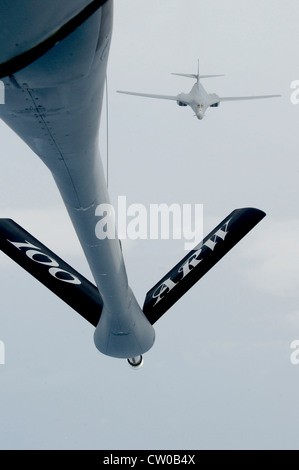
(215, 105)
(181, 103)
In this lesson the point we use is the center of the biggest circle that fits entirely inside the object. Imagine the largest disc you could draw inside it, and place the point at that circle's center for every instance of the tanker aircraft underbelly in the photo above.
(53, 100)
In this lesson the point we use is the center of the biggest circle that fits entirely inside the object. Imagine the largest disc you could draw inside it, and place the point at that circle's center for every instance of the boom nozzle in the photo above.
(136, 362)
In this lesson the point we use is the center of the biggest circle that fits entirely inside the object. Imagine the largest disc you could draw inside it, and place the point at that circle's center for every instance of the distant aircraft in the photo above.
(198, 99)
(53, 64)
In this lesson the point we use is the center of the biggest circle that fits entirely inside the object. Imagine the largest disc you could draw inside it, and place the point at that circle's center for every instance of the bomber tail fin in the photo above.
(196, 76)
(199, 261)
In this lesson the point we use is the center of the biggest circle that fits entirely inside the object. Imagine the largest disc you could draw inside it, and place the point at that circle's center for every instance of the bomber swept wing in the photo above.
(240, 98)
(147, 95)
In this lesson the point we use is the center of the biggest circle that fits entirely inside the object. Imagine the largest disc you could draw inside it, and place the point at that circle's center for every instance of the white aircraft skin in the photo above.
(198, 99)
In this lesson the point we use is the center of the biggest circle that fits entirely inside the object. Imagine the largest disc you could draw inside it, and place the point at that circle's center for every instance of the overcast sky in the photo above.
(219, 374)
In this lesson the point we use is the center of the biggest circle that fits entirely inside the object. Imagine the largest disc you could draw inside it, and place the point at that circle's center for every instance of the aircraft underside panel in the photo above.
(29, 28)
(54, 106)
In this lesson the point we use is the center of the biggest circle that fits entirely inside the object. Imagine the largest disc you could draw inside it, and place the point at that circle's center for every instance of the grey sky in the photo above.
(219, 374)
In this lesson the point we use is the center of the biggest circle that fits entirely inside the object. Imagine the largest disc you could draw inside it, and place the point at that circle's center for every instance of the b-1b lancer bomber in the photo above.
(198, 99)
